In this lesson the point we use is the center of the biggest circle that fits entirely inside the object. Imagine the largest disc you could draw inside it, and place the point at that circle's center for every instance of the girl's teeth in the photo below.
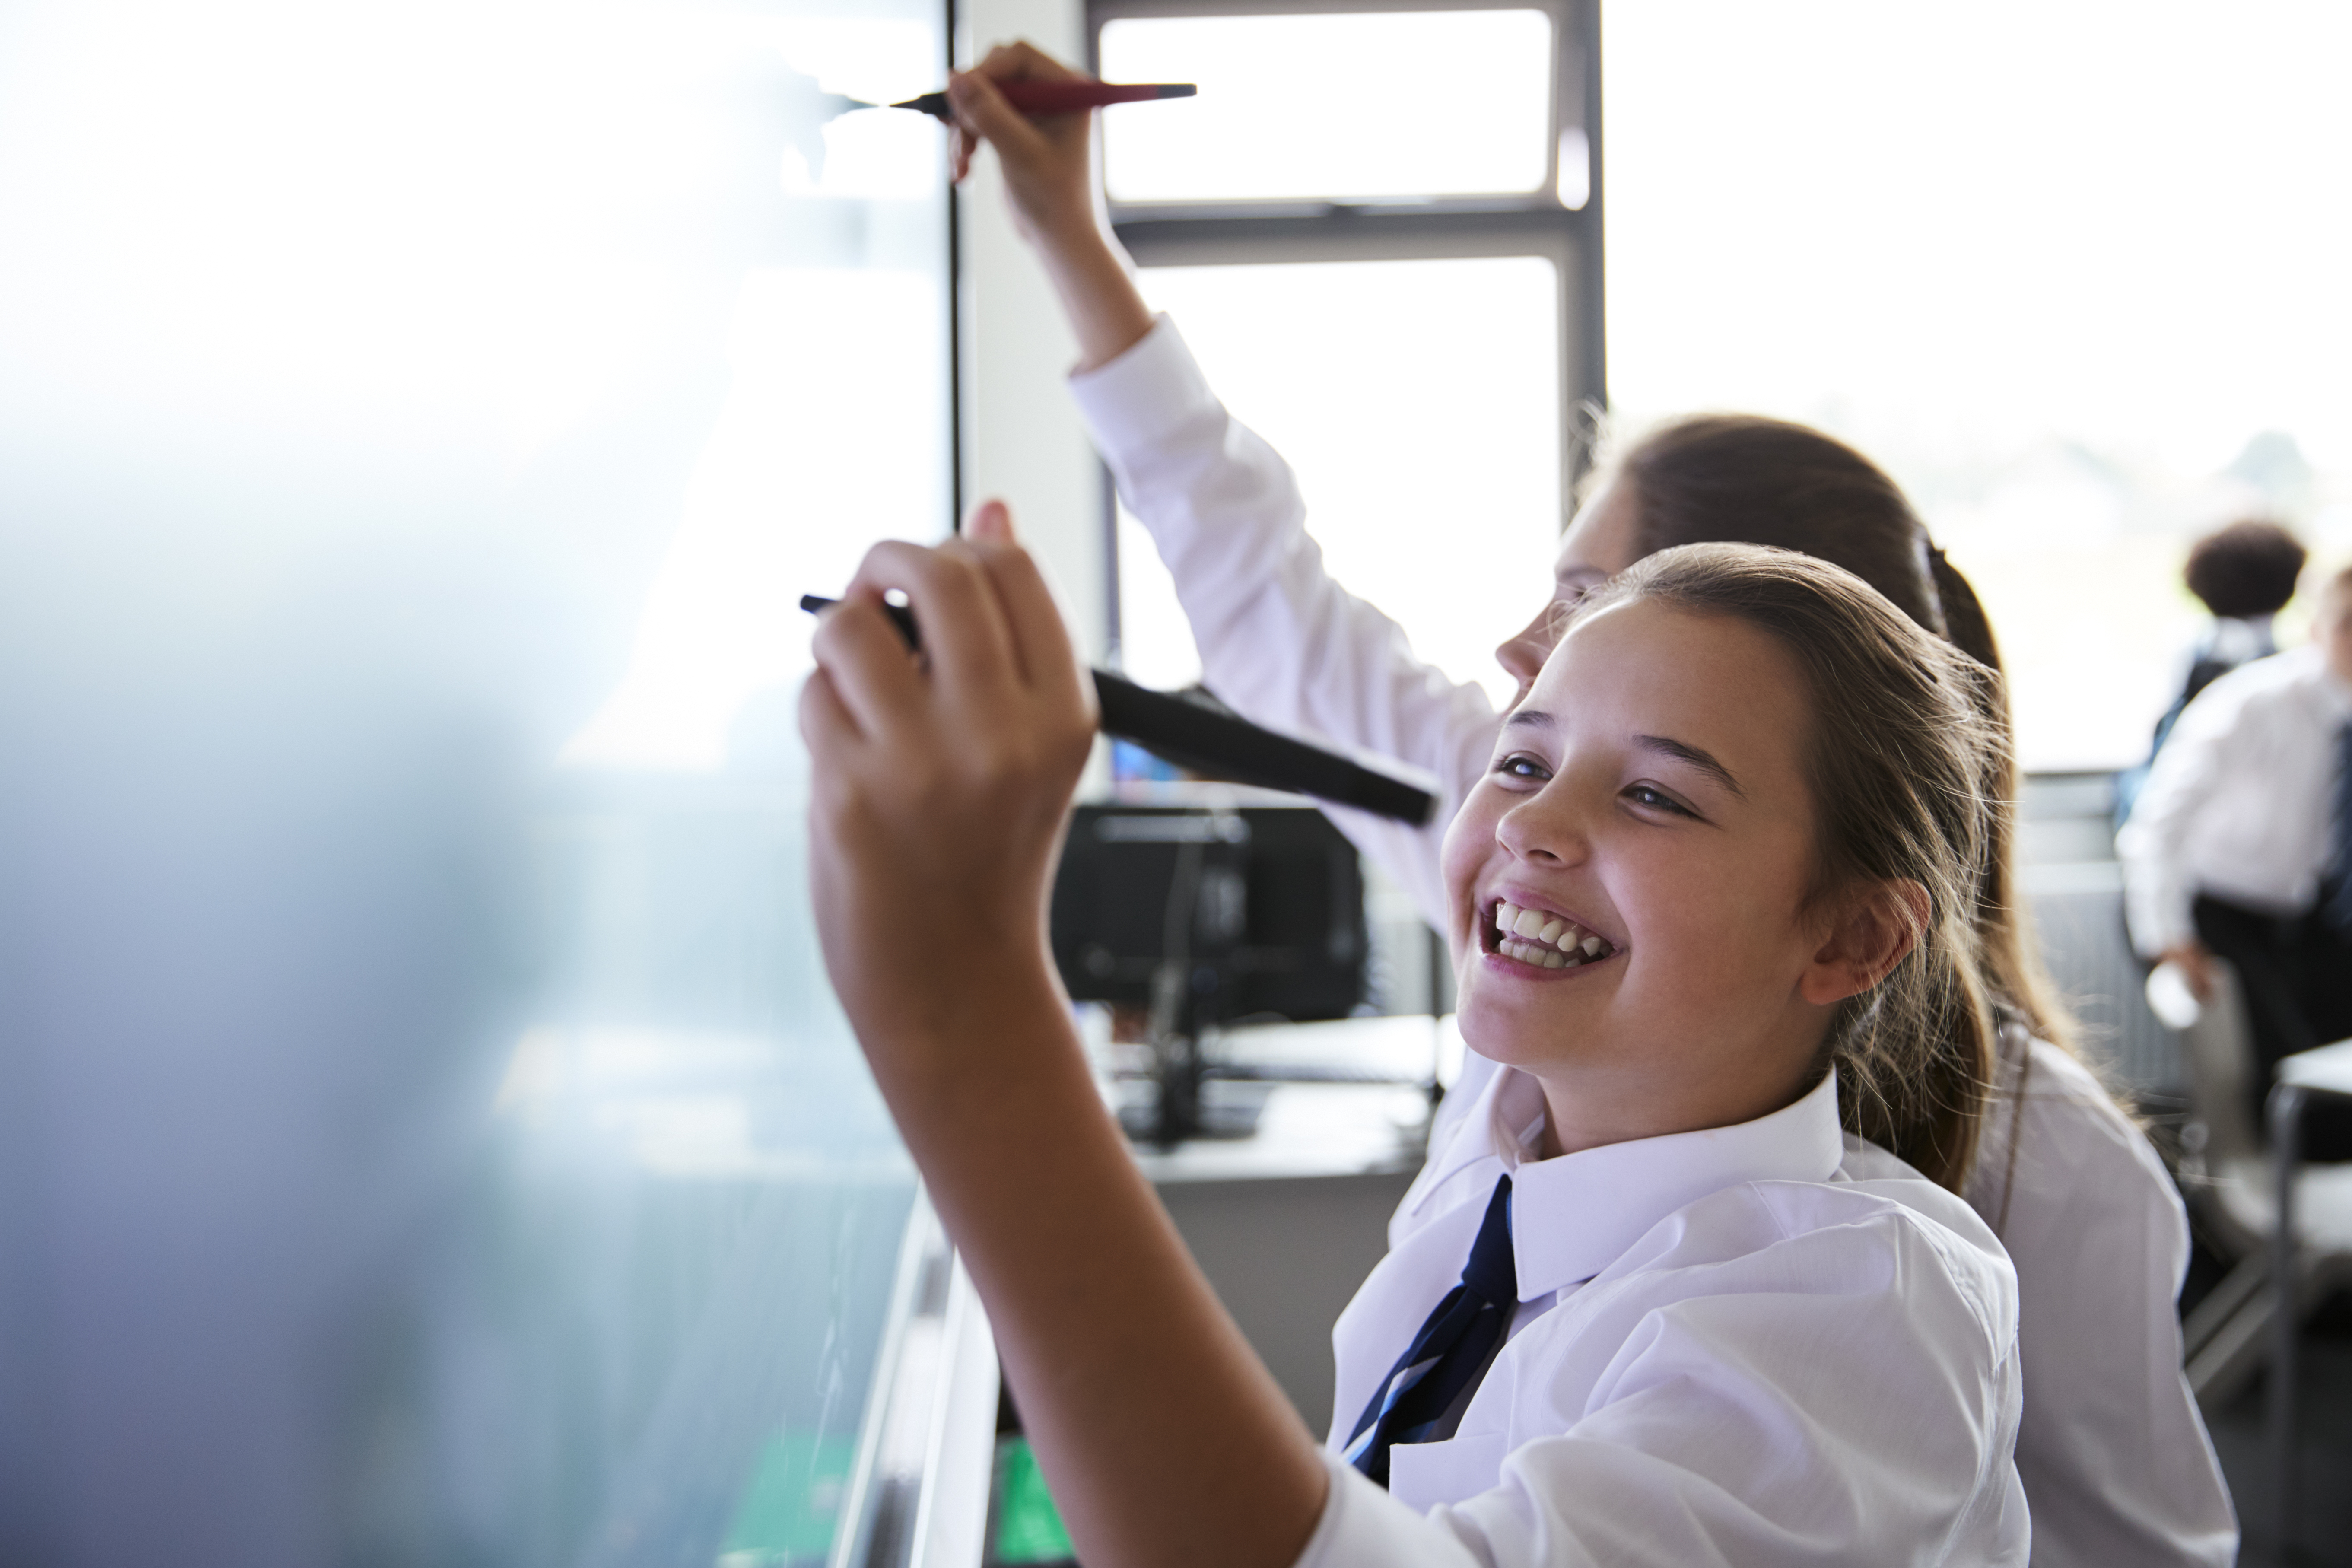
(1573, 941)
(1536, 957)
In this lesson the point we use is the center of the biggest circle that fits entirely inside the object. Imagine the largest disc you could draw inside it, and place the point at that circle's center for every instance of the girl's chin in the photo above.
(1518, 1031)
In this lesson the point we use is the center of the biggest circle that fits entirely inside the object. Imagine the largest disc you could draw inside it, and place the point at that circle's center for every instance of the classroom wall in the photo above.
(1022, 441)
(1287, 1255)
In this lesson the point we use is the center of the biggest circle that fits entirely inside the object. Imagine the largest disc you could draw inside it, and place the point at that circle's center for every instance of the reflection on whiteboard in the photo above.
(426, 1135)
(804, 470)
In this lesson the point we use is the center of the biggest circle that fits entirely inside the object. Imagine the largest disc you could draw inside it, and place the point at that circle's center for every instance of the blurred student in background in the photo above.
(2113, 1457)
(2244, 574)
(2241, 847)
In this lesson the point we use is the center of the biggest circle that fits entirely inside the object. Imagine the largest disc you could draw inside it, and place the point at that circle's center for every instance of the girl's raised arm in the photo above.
(940, 786)
(1049, 182)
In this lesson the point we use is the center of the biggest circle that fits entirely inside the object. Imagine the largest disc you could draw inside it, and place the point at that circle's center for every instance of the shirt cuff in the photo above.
(1139, 399)
(1363, 1527)
(2159, 910)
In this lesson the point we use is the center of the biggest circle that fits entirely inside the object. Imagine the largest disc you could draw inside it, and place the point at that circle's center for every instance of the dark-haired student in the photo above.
(2241, 847)
(2114, 1454)
(2243, 575)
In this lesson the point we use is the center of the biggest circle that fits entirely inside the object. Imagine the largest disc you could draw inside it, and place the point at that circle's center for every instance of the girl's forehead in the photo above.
(1602, 538)
(1638, 661)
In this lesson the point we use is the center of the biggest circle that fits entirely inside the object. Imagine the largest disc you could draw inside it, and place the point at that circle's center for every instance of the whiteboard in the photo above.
(426, 1135)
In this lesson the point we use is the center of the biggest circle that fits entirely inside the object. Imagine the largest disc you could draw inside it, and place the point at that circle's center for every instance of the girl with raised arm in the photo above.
(2113, 1450)
(1648, 1302)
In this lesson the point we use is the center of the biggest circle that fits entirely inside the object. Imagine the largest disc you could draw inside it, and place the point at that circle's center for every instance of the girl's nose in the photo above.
(1548, 829)
(1524, 655)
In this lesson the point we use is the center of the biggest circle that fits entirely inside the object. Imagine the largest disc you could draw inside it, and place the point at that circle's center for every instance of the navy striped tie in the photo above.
(2336, 884)
(1451, 1350)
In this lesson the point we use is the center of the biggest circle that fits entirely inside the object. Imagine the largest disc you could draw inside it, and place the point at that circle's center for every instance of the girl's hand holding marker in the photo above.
(941, 783)
(1049, 182)
(942, 779)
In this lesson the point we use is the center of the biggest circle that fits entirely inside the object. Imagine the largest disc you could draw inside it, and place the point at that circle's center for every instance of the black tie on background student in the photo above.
(2240, 846)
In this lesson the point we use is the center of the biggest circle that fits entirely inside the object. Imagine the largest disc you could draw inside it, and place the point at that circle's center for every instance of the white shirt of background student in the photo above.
(2239, 804)
(2112, 1449)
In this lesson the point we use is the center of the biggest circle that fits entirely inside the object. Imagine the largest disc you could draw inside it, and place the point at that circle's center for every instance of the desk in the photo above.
(2329, 1068)
(2326, 1070)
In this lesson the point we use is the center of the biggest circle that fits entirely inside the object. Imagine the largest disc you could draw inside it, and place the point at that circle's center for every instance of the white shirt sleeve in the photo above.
(1363, 1527)
(2112, 1451)
(2159, 886)
(1280, 641)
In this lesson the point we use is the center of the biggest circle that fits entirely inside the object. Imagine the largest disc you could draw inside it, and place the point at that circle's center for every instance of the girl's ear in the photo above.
(1876, 928)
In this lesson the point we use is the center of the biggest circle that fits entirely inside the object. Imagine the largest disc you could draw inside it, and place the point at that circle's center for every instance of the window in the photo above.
(2071, 273)
(1402, 298)
(1429, 450)
(1464, 106)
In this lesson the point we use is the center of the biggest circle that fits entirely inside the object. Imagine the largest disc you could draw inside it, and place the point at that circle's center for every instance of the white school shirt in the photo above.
(2238, 803)
(2112, 1449)
(1767, 1344)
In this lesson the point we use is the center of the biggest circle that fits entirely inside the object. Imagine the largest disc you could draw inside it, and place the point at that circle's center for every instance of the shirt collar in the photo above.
(1574, 1215)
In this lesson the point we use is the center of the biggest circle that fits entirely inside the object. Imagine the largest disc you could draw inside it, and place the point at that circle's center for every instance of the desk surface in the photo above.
(1324, 1129)
(2329, 1066)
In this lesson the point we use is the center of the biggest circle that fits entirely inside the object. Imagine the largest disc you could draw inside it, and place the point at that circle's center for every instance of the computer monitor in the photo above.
(1209, 916)
(1271, 898)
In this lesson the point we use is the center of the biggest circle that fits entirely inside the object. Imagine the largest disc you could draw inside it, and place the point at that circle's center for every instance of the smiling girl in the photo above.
(2111, 1448)
(1647, 1302)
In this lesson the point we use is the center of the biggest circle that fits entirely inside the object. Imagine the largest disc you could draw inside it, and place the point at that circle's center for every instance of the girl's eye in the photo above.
(1519, 765)
(1656, 800)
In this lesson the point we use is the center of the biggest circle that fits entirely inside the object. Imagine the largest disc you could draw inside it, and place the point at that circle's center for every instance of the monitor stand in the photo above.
(1189, 1101)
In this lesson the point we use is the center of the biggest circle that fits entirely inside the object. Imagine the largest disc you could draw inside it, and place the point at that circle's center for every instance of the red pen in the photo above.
(1040, 97)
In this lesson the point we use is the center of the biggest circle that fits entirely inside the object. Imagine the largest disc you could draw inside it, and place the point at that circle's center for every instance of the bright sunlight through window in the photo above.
(2075, 274)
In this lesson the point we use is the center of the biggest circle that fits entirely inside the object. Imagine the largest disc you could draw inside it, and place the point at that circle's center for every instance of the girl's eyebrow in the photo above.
(1703, 761)
(1665, 745)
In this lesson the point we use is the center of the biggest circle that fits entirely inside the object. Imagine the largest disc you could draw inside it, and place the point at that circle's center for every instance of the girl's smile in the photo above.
(1523, 939)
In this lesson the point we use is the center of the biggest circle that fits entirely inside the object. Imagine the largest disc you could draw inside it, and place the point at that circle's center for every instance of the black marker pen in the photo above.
(1198, 738)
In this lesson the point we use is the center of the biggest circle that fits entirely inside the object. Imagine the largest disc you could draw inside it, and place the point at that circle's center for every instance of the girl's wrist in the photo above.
(1071, 237)
(995, 1008)
(989, 1072)
(1105, 309)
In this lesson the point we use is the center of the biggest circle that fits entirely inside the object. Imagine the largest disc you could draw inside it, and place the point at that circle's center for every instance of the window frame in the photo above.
(1213, 233)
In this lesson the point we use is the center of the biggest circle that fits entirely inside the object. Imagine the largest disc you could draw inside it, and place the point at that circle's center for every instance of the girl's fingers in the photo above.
(983, 109)
(991, 523)
(826, 723)
(868, 668)
(1041, 639)
(1022, 60)
(962, 623)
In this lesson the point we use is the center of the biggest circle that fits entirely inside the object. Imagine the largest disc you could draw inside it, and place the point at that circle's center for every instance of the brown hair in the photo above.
(1901, 747)
(1743, 477)
(2246, 569)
